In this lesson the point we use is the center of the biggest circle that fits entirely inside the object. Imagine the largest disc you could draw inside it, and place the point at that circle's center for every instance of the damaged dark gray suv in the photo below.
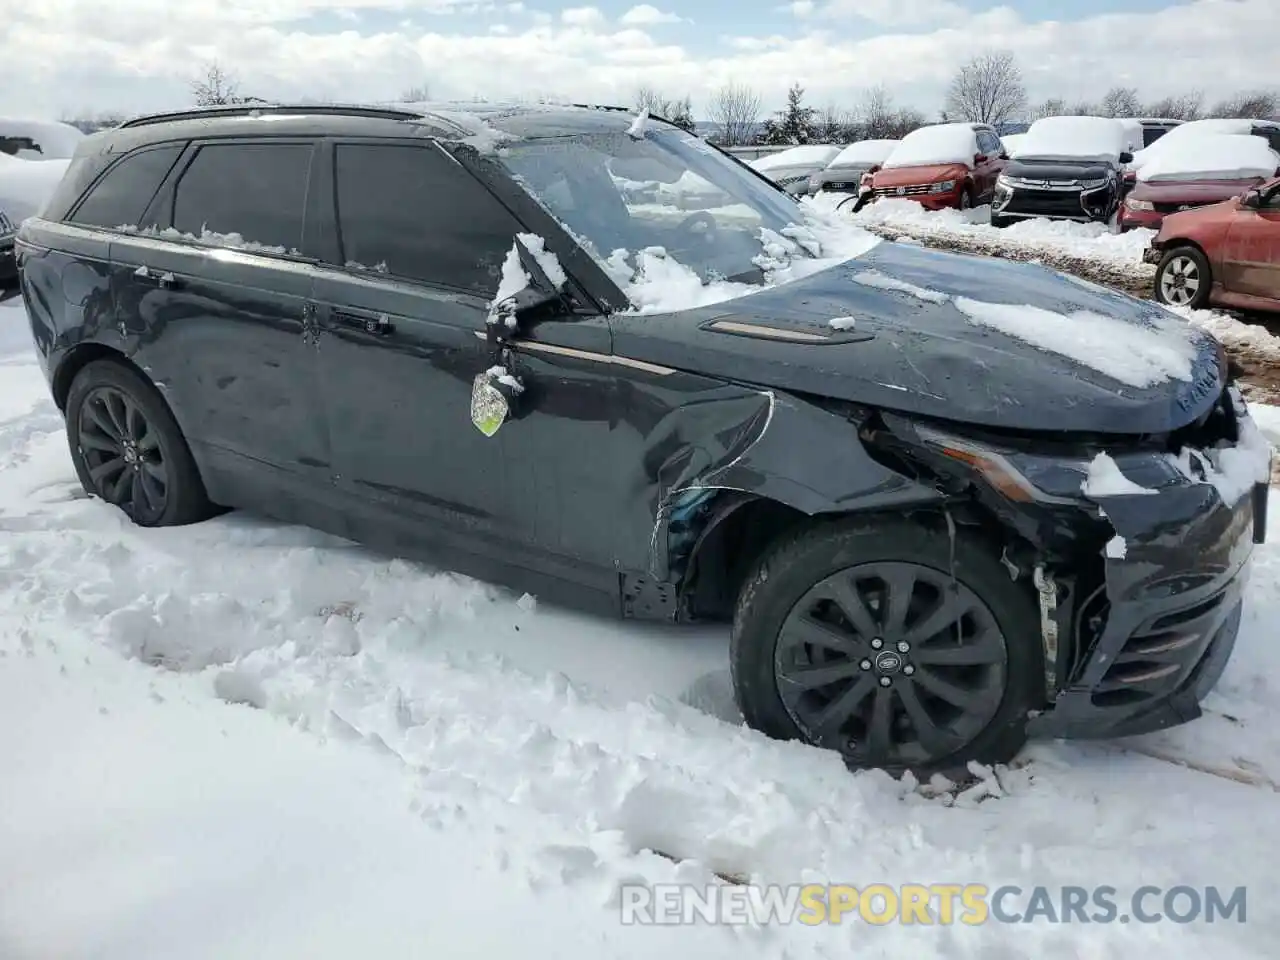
(946, 502)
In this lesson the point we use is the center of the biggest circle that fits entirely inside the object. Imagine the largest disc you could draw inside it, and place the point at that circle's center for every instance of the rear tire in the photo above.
(803, 669)
(129, 451)
(1184, 278)
(967, 197)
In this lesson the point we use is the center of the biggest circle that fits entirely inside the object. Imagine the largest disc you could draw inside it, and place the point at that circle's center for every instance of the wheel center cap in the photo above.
(888, 662)
(130, 453)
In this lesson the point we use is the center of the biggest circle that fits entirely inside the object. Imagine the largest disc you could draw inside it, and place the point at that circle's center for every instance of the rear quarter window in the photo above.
(121, 196)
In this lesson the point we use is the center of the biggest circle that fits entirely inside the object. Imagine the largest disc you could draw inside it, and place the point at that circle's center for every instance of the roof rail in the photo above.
(252, 109)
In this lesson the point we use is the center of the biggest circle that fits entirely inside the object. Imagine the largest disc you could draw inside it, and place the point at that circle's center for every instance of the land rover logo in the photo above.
(902, 191)
(888, 662)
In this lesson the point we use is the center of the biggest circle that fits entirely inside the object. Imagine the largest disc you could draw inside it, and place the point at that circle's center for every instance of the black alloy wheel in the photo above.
(123, 455)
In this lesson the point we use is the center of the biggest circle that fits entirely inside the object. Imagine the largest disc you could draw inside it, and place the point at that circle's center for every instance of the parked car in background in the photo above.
(1224, 255)
(1011, 142)
(849, 170)
(25, 185)
(942, 165)
(1269, 130)
(1153, 128)
(38, 139)
(1067, 168)
(791, 169)
(1197, 172)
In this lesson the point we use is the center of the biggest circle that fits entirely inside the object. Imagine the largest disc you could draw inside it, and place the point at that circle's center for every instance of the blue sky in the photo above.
(83, 55)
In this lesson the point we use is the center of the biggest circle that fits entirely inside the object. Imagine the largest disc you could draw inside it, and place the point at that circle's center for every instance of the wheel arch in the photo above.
(80, 357)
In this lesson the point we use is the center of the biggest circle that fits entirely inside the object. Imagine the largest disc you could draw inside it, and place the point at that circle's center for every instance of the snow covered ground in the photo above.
(241, 739)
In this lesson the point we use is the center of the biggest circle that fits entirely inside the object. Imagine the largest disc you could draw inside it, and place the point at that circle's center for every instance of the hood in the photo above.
(911, 176)
(1212, 218)
(845, 171)
(1058, 169)
(1190, 191)
(924, 356)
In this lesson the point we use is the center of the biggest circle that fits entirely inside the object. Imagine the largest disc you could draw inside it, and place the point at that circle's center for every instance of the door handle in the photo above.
(377, 324)
(165, 279)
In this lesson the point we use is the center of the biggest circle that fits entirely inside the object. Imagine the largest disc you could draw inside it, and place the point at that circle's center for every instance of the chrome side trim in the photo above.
(642, 365)
(734, 326)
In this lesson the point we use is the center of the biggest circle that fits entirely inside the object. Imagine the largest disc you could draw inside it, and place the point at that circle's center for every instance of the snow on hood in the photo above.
(810, 155)
(940, 143)
(660, 284)
(1216, 156)
(1074, 138)
(56, 140)
(26, 185)
(1192, 129)
(1012, 142)
(865, 151)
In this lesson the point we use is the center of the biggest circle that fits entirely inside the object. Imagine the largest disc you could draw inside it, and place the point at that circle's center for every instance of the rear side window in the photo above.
(122, 195)
(412, 212)
(237, 194)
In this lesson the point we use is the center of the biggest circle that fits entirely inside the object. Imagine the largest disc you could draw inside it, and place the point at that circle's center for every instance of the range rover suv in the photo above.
(448, 333)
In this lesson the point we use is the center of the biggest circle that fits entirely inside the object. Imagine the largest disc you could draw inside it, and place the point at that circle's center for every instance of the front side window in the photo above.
(620, 196)
(245, 194)
(410, 211)
(122, 195)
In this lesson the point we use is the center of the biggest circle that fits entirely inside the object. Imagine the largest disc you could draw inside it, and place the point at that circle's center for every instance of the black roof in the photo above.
(482, 121)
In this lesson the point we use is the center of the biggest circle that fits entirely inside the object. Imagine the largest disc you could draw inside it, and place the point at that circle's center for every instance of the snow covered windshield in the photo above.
(621, 196)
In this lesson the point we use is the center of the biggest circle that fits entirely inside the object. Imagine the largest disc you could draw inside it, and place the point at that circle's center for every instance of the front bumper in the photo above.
(1054, 202)
(1152, 641)
(8, 263)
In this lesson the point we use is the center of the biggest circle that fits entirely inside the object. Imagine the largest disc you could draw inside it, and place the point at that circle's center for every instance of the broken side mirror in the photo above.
(1126, 157)
(508, 315)
(495, 399)
(1251, 199)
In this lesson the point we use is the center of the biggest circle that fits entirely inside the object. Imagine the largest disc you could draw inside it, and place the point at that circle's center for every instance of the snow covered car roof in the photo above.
(865, 151)
(1193, 129)
(1074, 138)
(817, 155)
(1215, 156)
(936, 144)
(30, 139)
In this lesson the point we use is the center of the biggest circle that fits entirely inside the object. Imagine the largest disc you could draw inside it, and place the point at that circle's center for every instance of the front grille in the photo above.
(6, 225)
(1046, 203)
(839, 187)
(913, 191)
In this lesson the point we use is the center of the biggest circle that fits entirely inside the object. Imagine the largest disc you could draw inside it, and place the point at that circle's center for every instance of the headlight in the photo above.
(1093, 184)
(946, 186)
(1133, 204)
(1003, 183)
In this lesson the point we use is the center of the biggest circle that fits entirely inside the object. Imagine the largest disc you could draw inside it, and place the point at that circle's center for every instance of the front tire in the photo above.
(129, 451)
(1184, 278)
(873, 638)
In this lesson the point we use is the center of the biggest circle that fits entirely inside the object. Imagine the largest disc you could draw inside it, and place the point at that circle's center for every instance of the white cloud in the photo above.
(891, 13)
(647, 16)
(799, 8)
(83, 55)
(582, 16)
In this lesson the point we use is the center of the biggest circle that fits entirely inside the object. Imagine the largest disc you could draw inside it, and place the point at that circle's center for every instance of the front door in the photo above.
(1251, 254)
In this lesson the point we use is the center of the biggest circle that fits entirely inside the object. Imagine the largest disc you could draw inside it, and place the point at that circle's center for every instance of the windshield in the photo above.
(620, 196)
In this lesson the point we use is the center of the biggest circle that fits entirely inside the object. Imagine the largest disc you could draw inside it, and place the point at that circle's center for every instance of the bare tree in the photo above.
(834, 125)
(1254, 104)
(419, 94)
(1121, 102)
(677, 111)
(1053, 107)
(878, 119)
(216, 86)
(1186, 106)
(987, 89)
(735, 108)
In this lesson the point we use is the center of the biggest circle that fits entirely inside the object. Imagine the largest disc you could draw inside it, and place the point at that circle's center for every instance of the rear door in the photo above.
(1251, 254)
(213, 294)
(990, 167)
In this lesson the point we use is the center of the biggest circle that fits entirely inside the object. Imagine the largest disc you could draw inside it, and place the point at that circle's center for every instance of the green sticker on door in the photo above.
(488, 405)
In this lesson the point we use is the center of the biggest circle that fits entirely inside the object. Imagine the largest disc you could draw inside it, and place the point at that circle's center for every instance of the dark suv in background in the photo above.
(430, 330)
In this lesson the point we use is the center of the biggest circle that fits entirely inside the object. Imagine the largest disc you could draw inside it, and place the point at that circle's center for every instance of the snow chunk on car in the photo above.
(881, 281)
(1074, 138)
(814, 154)
(545, 259)
(1137, 355)
(940, 143)
(865, 151)
(1105, 480)
(1220, 156)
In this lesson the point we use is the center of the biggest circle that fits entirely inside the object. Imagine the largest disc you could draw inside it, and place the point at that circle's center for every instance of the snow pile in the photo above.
(639, 126)
(230, 241)
(1106, 480)
(882, 281)
(1116, 548)
(26, 185)
(813, 155)
(1223, 156)
(1232, 470)
(937, 144)
(428, 753)
(545, 259)
(655, 282)
(1234, 334)
(864, 153)
(1074, 138)
(1133, 354)
(55, 140)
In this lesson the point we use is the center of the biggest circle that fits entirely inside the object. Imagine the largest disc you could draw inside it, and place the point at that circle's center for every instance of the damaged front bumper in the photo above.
(1151, 642)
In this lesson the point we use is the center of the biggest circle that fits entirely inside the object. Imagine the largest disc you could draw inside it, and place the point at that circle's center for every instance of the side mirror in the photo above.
(979, 157)
(1126, 157)
(1252, 199)
(1004, 155)
(523, 306)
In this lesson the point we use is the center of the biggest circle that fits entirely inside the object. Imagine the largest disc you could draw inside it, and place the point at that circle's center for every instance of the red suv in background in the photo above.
(943, 165)
(1225, 255)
